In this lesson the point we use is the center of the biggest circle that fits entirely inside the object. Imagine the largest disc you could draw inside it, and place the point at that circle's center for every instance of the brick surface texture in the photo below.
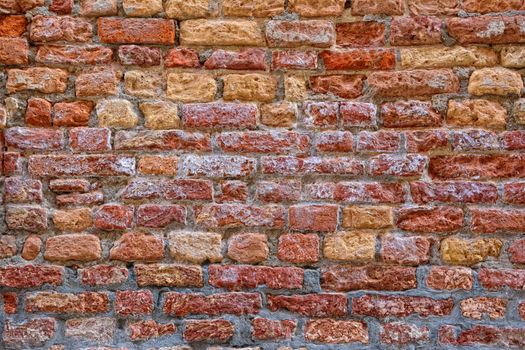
(262, 174)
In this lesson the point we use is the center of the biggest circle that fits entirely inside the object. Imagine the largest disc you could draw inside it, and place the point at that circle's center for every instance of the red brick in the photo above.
(181, 58)
(61, 7)
(72, 113)
(208, 330)
(14, 51)
(312, 305)
(479, 307)
(81, 165)
(314, 33)
(60, 28)
(182, 305)
(453, 192)
(68, 247)
(169, 275)
(402, 250)
(34, 139)
(314, 165)
(359, 34)
(345, 86)
(344, 278)
(409, 114)
(359, 59)
(32, 219)
(232, 191)
(99, 82)
(12, 164)
(497, 220)
(76, 199)
(31, 333)
(148, 329)
(10, 300)
(336, 332)
(321, 114)
(12, 26)
(377, 7)
(487, 29)
(41, 79)
(427, 141)
(113, 217)
(69, 185)
(335, 141)
(73, 55)
(277, 142)
(7, 246)
(38, 112)
(380, 306)
(450, 278)
(415, 31)
(404, 333)
(513, 140)
(136, 31)
(298, 248)
(411, 165)
(248, 248)
(380, 141)
(89, 139)
(321, 218)
(134, 55)
(137, 247)
(482, 335)
(237, 277)
(133, 303)
(31, 248)
(486, 7)
(427, 220)
(501, 278)
(372, 192)
(159, 216)
(238, 215)
(266, 329)
(358, 114)
(514, 193)
(219, 115)
(477, 167)
(172, 189)
(474, 140)
(20, 190)
(103, 275)
(413, 82)
(294, 59)
(62, 303)
(245, 59)
(433, 7)
(30, 276)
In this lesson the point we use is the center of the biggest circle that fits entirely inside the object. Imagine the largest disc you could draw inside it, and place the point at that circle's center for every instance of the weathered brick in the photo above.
(450, 278)
(134, 55)
(357, 34)
(76, 220)
(477, 166)
(12, 26)
(453, 192)
(171, 189)
(376, 7)
(367, 217)
(191, 87)
(136, 31)
(81, 165)
(501, 278)
(31, 248)
(404, 333)
(208, 330)
(142, 8)
(142, 83)
(113, 217)
(99, 82)
(76, 199)
(34, 139)
(350, 246)
(45, 80)
(237, 215)
(495, 81)
(72, 113)
(486, 29)
(232, 191)
(426, 220)
(219, 115)
(60, 28)
(90, 139)
(293, 59)
(221, 33)
(69, 185)
(94, 8)
(413, 82)
(400, 306)
(33, 332)
(476, 308)
(345, 86)
(63, 303)
(249, 87)
(180, 9)
(402, 250)
(30, 276)
(195, 247)
(411, 165)
(315, 33)
(116, 113)
(434, 7)
(359, 59)
(14, 51)
(20, 190)
(469, 252)
(252, 8)
(496, 220)
(314, 218)
(447, 57)
(61, 7)
(417, 30)
(102, 275)
(336, 332)
(7, 247)
(149, 329)
(313, 8)
(312, 305)
(74, 55)
(238, 277)
(158, 165)
(169, 275)
(244, 59)
(38, 112)
(92, 328)
(27, 218)
(344, 278)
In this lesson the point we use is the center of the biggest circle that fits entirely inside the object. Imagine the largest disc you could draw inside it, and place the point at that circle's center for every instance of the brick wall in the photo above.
(262, 174)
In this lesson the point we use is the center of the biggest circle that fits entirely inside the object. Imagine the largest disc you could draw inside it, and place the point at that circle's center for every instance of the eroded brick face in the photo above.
(262, 174)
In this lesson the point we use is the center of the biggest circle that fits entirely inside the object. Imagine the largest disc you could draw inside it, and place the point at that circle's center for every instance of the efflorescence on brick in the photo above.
(262, 174)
